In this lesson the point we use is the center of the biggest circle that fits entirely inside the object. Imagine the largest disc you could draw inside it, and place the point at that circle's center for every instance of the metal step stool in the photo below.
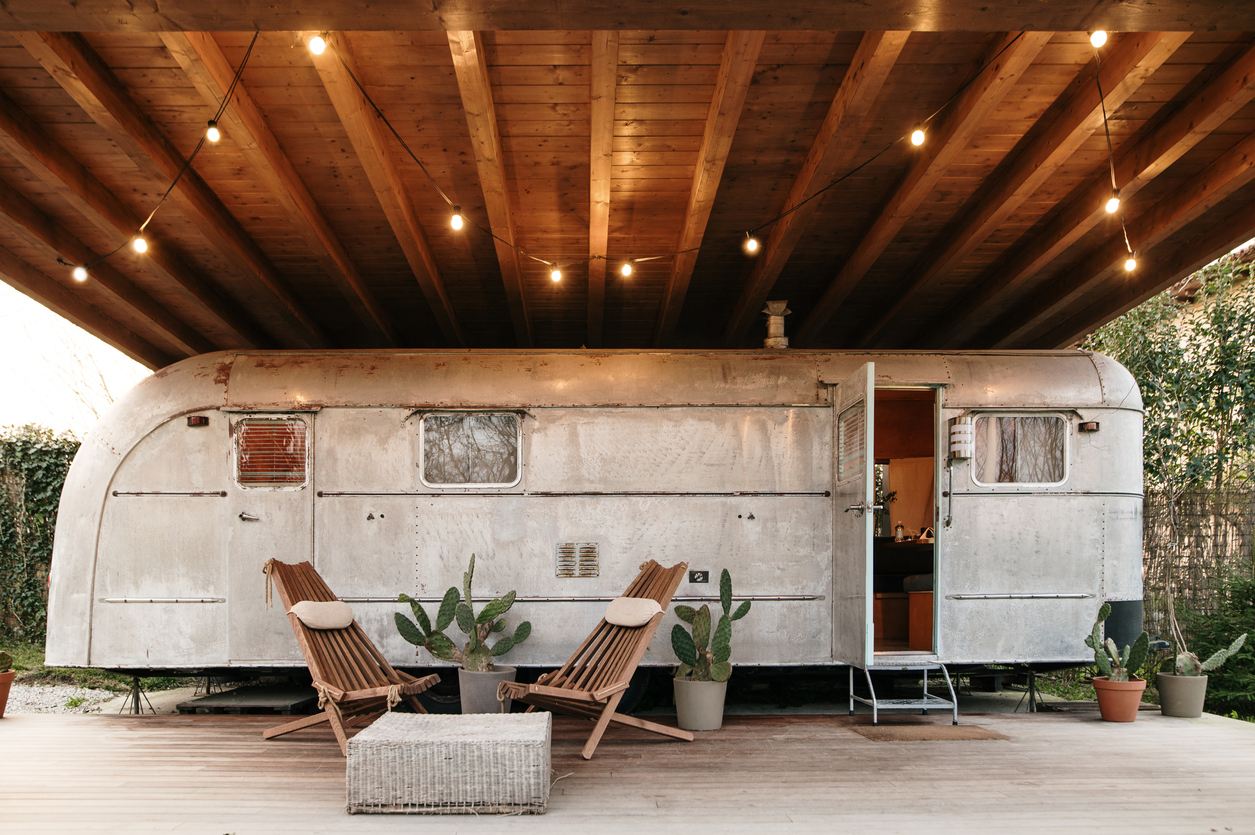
(925, 703)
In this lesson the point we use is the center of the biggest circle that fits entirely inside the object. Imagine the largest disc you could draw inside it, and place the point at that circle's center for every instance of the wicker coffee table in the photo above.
(449, 765)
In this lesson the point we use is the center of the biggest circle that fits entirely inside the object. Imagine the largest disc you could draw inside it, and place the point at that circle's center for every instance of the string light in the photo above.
(212, 133)
(80, 273)
(751, 243)
(917, 137)
(1098, 37)
(556, 275)
(139, 244)
(1113, 204)
(626, 269)
(456, 220)
(318, 44)
(1130, 263)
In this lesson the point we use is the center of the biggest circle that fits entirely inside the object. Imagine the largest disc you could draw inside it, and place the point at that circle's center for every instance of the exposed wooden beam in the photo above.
(1057, 135)
(876, 55)
(601, 91)
(1148, 227)
(84, 75)
(467, 49)
(1156, 275)
(45, 230)
(23, 139)
(1009, 56)
(1137, 164)
(30, 281)
(736, 71)
(372, 143)
(211, 73)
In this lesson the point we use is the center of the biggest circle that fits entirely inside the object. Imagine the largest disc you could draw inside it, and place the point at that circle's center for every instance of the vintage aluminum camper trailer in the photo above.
(564, 470)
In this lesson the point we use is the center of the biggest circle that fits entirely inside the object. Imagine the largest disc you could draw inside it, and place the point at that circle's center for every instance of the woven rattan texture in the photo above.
(473, 764)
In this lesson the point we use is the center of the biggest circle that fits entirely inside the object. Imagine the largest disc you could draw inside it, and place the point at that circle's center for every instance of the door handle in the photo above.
(248, 517)
(861, 508)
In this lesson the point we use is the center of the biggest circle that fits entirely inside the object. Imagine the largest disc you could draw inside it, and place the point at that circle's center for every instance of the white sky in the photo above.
(54, 373)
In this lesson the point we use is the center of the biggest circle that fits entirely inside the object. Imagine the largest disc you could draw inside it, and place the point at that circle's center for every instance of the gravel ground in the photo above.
(54, 698)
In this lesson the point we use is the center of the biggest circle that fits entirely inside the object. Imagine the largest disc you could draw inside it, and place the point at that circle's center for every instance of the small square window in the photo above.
(1020, 449)
(271, 452)
(473, 449)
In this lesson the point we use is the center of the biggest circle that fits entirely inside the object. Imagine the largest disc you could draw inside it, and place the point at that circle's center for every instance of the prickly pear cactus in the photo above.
(704, 655)
(1113, 662)
(6, 662)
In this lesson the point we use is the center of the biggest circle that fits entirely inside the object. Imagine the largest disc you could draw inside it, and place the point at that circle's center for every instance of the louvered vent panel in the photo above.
(578, 559)
(271, 452)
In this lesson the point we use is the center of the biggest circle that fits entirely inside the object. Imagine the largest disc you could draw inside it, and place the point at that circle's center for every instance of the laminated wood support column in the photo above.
(467, 49)
(601, 147)
(82, 74)
(1008, 58)
(736, 71)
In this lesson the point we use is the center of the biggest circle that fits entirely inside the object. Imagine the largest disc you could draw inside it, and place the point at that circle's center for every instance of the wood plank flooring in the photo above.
(1061, 773)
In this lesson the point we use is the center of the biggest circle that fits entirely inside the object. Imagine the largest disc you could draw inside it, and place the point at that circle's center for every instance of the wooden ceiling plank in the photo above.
(1150, 227)
(61, 242)
(1154, 277)
(23, 139)
(467, 49)
(1008, 58)
(602, 83)
(1137, 164)
(31, 282)
(1060, 132)
(84, 75)
(736, 72)
(855, 97)
(372, 143)
(209, 70)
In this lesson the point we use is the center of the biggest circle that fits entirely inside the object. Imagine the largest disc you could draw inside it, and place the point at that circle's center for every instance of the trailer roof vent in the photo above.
(578, 559)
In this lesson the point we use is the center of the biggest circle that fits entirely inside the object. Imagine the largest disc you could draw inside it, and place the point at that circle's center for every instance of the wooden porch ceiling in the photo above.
(309, 225)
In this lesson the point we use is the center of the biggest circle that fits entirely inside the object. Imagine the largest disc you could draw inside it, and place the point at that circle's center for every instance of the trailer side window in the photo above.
(477, 448)
(271, 453)
(1019, 449)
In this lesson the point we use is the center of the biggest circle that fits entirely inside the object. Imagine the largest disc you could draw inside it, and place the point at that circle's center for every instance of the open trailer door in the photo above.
(854, 475)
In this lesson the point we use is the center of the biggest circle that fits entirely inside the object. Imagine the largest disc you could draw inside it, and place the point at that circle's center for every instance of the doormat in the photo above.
(924, 733)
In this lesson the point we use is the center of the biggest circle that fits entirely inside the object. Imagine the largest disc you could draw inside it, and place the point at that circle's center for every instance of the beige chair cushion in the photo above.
(631, 611)
(333, 614)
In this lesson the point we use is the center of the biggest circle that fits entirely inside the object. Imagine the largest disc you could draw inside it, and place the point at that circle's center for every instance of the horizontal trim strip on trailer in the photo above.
(206, 494)
(762, 597)
(331, 494)
(163, 600)
(1035, 490)
(1021, 596)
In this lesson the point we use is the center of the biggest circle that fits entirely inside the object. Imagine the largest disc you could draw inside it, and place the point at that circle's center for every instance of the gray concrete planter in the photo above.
(1181, 696)
(479, 690)
(699, 704)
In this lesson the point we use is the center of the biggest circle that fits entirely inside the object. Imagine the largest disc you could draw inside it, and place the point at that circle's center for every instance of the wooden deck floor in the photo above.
(1056, 773)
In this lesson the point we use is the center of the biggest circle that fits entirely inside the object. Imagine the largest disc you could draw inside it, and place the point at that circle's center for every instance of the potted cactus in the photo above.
(701, 681)
(1119, 689)
(478, 677)
(6, 679)
(1182, 694)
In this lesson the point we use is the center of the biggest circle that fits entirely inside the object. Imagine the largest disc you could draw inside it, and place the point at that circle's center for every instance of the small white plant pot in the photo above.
(699, 704)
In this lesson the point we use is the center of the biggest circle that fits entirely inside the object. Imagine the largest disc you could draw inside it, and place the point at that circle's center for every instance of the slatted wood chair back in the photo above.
(345, 658)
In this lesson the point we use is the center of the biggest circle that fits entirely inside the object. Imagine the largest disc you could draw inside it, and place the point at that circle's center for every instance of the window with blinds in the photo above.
(271, 452)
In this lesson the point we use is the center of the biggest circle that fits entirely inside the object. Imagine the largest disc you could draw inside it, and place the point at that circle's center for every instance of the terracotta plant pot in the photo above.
(1118, 700)
(479, 690)
(699, 704)
(6, 681)
(1181, 696)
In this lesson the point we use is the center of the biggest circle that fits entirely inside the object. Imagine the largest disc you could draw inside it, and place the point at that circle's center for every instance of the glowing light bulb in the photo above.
(1098, 37)
(317, 44)
(456, 221)
(1113, 204)
(80, 273)
(556, 275)
(140, 244)
(1130, 263)
(626, 269)
(751, 244)
(917, 136)
(212, 133)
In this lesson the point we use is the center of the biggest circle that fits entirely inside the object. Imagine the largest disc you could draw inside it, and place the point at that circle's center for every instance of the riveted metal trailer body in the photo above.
(563, 471)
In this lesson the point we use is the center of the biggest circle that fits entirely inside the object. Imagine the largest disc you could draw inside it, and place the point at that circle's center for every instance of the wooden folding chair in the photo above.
(593, 681)
(355, 683)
